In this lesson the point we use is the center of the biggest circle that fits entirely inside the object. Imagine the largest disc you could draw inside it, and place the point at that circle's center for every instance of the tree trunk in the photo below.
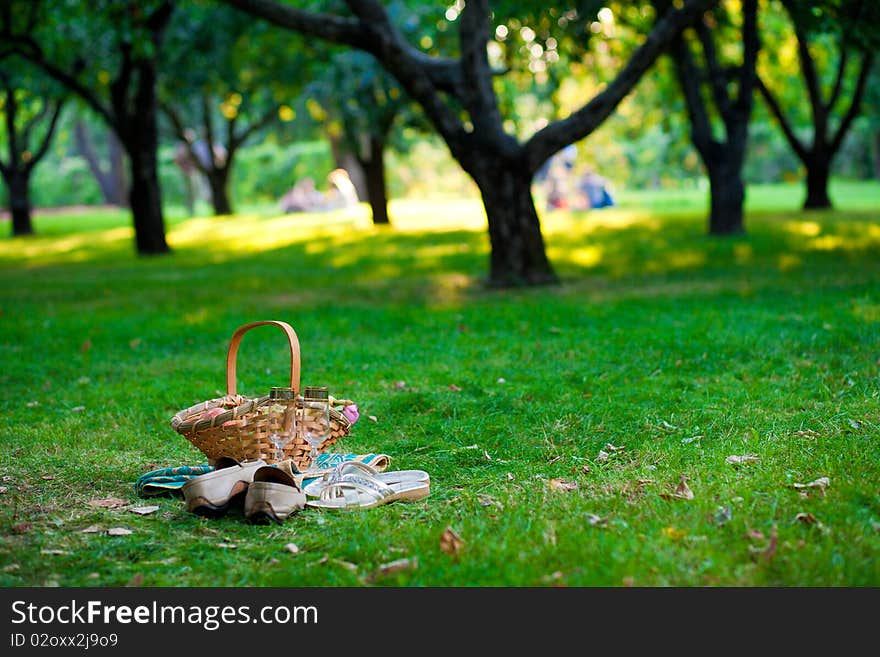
(345, 159)
(818, 174)
(727, 197)
(218, 181)
(877, 155)
(20, 202)
(118, 183)
(111, 181)
(517, 255)
(377, 190)
(140, 138)
(146, 202)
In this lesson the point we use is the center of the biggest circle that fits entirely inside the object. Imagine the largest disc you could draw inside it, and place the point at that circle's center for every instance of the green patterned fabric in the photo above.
(167, 480)
(170, 480)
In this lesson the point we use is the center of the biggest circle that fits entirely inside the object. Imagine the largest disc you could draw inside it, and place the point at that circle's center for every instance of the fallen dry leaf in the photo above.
(486, 455)
(293, 548)
(108, 503)
(807, 433)
(136, 580)
(77, 409)
(488, 500)
(86, 345)
(770, 552)
(399, 385)
(821, 483)
(31, 404)
(119, 531)
(144, 510)
(510, 476)
(563, 485)
(348, 565)
(227, 546)
(54, 552)
(855, 424)
(683, 491)
(22, 527)
(372, 418)
(394, 567)
(450, 542)
(91, 529)
(611, 448)
(733, 459)
(808, 519)
(602, 456)
(3, 489)
(11, 567)
(134, 343)
(47, 477)
(501, 379)
(755, 535)
(667, 426)
(596, 521)
(454, 388)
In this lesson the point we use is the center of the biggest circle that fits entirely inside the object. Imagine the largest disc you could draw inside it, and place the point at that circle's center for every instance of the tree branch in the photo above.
(329, 27)
(180, 132)
(10, 109)
(578, 125)
(208, 124)
(45, 108)
(773, 105)
(716, 75)
(811, 77)
(478, 95)
(34, 54)
(748, 72)
(689, 78)
(855, 104)
(237, 140)
(420, 75)
(838, 80)
(47, 138)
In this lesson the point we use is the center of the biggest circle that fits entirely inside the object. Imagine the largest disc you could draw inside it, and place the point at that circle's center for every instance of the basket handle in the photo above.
(233, 352)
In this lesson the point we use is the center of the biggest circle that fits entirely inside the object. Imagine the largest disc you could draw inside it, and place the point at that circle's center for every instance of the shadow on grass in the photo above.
(299, 259)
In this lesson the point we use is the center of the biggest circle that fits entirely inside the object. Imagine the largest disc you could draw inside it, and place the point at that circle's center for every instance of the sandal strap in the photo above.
(350, 467)
(351, 487)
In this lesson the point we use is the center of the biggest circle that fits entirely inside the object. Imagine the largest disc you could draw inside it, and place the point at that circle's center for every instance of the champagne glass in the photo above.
(282, 422)
(315, 419)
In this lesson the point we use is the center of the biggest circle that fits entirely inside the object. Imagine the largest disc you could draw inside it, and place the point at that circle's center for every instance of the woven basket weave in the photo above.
(243, 429)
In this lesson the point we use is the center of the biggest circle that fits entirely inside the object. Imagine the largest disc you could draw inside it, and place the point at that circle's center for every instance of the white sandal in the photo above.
(315, 488)
(357, 491)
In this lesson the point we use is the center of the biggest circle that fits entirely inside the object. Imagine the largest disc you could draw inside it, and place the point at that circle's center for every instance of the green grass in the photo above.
(679, 348)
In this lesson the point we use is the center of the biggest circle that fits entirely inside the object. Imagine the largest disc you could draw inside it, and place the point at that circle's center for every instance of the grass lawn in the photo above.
(556, 423)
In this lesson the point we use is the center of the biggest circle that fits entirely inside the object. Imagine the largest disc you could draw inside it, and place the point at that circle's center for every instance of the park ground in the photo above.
(558, 424)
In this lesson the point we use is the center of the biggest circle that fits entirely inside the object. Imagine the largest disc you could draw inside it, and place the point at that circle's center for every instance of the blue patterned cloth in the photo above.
(171, 480)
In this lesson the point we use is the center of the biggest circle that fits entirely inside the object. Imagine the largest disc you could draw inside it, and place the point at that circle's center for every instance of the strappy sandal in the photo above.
(273, 495)
(356, 491)
(314, 488)
(211, 494)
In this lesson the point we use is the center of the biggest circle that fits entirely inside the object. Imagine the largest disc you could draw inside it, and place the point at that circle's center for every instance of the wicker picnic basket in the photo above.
(245, 427)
